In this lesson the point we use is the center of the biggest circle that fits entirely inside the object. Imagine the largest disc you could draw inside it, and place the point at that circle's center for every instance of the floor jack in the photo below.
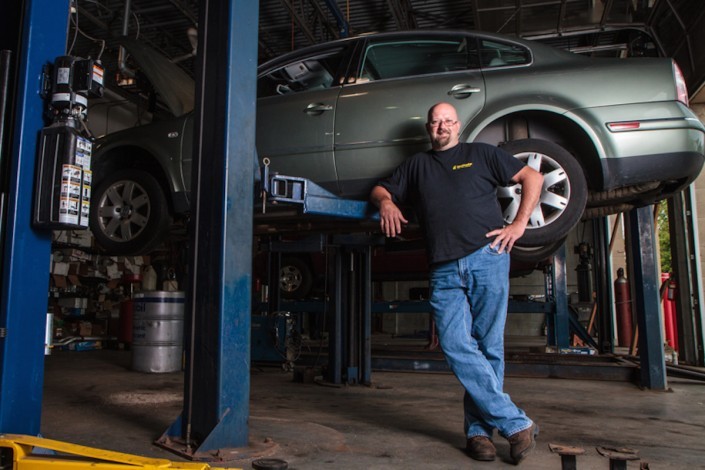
(21, 452)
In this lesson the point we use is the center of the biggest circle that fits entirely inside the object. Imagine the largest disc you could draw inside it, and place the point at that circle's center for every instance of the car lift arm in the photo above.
(67, 456)
(314, 199)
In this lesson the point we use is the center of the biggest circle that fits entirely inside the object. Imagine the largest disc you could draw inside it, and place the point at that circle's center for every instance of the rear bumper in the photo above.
(645, 142)
(678, 167)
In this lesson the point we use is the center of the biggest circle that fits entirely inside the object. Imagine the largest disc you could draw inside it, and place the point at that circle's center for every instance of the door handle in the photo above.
(317, 108)
(463, 91)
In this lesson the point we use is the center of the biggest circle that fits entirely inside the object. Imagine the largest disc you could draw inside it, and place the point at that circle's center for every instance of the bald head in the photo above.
(443, 126)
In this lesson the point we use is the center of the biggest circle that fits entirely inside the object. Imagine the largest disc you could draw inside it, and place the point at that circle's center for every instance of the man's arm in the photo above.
(531, 184)
(391, 219)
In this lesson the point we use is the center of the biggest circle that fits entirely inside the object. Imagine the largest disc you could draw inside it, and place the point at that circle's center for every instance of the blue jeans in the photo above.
(469, 298)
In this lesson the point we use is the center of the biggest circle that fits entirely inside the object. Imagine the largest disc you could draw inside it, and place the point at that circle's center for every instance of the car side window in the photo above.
(311, 73)
(399, 58)
(501, 54)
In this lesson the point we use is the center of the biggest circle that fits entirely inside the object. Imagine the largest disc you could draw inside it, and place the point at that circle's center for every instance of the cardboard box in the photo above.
(85, 328)
(59, 281)
(60, 269)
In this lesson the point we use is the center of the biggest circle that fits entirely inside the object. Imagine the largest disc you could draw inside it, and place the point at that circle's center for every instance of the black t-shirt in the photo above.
(454, 194)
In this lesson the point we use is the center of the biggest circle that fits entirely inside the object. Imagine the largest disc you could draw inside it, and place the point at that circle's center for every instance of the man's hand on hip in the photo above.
(506, 236)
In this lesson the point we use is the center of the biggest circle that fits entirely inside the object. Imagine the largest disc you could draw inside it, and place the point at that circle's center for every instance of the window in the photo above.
(305, 74)
(420, 57)
(499, 54)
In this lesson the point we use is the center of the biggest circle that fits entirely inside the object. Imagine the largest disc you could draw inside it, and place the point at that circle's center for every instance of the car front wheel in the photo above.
(129, 213)
(563, 195)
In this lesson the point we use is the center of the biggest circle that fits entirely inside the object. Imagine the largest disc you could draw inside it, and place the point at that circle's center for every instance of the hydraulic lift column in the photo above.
(26, 252)
(642, 246)
(350, 336)
(217, 380)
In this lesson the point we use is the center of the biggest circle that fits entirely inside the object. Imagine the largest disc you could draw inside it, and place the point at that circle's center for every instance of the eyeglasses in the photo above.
(445, 122)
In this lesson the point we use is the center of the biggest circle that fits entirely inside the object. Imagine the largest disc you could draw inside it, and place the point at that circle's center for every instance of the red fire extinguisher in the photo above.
(623, 307)
(669, 310)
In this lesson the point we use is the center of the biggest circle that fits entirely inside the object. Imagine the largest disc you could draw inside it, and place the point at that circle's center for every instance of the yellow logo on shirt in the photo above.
(460, 167)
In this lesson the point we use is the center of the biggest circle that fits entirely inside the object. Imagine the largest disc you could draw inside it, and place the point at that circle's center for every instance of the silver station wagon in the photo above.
(607, 134)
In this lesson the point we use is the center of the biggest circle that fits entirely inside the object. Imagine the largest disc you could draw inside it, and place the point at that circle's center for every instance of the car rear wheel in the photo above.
(563, 195)
(535, 254)
(129, 213)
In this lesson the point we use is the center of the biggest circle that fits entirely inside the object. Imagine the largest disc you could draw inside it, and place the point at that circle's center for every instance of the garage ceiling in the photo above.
(598, 27)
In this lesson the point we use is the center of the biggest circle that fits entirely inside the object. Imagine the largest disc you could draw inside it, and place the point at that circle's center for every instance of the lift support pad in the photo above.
(316, 200)
(36, 453)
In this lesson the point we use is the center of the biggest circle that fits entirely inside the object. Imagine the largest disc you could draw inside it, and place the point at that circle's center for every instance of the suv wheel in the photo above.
(295, 278)
(129, 213)
(535, 254)
(563, 195)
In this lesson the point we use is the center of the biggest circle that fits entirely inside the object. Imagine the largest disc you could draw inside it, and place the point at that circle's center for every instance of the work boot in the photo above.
(481, 448)
(522, 443)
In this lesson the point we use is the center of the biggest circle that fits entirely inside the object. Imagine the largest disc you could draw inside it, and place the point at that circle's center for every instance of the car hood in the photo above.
(175, 87)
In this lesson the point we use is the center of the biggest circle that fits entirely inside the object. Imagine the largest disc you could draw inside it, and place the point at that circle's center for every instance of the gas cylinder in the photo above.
(623, 307)
(668, 305)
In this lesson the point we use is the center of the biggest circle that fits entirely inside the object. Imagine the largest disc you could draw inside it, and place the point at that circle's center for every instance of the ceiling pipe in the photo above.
(122, 53)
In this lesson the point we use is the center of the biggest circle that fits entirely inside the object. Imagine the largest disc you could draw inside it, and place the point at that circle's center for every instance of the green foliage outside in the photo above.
(664, 237)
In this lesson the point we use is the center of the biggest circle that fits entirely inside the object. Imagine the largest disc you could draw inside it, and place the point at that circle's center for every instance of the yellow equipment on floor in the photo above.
(20, 452)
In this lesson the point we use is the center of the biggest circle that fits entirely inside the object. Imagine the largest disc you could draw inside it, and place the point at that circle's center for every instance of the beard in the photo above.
(441, 140)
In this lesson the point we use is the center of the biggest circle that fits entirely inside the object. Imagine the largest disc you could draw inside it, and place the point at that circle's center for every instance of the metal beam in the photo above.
(683, 239)
(556, 284)
(646, 281)
(603, 287)
(560, 285)
(185, 11)
(476, 14)
(333, 32)
(26, 251)
(563, 366)
(343, 25)
(217, 381)
(300, 21)
(403, 14)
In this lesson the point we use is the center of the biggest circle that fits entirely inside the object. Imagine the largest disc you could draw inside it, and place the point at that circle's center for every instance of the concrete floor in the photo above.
(402, 421)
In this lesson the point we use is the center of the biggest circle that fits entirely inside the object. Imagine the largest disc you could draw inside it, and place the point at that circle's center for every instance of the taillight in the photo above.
(681, 89)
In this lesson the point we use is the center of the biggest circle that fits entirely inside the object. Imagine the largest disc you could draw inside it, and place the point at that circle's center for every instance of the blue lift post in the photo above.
(217, 379)
(647, 301)
(558, 320)
(605, 299)
(350, 349)
(26, 252)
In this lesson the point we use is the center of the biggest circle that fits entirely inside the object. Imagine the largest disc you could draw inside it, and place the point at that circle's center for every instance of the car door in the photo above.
(382, 109)
(295, 115)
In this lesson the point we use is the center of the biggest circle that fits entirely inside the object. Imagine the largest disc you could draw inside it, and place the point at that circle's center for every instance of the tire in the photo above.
(563, 196)
(295, 278)
(129, 213)
(535, 254)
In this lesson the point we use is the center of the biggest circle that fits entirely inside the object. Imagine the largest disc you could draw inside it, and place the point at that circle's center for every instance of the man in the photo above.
(452, 188)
